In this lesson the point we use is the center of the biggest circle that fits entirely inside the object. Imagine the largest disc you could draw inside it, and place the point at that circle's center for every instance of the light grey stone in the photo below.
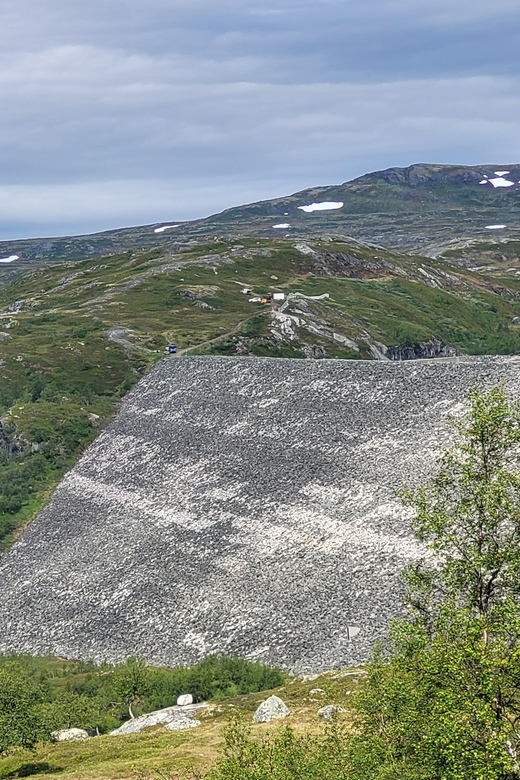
(69, 735)
(271, 709)
(184, 700)
(328, 712)
(182, 723)
(167, 715)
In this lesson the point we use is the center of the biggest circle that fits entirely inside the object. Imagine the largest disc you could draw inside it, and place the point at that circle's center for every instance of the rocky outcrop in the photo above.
(433, 348)
(272, 708)
(166, 716)
(330, 711)
(182, 723)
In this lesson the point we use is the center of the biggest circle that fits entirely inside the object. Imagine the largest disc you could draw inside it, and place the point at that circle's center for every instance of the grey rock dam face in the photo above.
(241, 506)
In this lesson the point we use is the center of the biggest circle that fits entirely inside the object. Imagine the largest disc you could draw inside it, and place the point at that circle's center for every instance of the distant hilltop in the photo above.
(416, 208)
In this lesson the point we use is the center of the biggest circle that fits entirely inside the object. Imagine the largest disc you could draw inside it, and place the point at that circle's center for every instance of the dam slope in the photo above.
(241, 506)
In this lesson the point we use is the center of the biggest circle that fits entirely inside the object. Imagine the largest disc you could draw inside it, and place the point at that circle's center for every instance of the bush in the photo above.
(284, 756)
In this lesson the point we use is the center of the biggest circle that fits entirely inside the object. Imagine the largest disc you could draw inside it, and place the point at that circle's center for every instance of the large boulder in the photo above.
(271, 709)
(69, 735)
(182, 723)
(184, 700)
(168, 715)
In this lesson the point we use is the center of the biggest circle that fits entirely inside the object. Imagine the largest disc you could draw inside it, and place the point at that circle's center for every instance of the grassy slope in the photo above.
(62, 372)
(155, 749)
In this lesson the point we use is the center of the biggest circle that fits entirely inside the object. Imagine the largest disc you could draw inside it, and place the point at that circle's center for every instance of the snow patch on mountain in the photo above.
(325, 206)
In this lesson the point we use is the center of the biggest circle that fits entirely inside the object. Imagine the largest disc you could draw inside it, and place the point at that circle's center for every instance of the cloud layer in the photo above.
(116, 112)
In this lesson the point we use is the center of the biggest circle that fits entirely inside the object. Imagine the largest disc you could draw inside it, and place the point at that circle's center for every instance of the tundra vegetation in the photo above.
(40, 695)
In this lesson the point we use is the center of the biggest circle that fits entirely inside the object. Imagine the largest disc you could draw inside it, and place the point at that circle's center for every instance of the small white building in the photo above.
(278, 296)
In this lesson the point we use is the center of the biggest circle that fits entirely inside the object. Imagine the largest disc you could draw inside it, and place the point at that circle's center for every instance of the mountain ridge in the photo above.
(413, 208)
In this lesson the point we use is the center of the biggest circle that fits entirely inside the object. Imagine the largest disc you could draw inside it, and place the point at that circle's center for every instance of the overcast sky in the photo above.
(120, 112)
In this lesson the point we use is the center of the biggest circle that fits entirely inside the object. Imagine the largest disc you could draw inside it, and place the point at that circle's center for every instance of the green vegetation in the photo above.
(286, 756)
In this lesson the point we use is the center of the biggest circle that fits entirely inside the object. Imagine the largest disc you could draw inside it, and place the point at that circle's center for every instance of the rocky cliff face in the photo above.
(240, 506)
(434, 348)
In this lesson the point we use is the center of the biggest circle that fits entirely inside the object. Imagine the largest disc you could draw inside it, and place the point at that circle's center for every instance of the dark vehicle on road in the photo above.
(172, 349)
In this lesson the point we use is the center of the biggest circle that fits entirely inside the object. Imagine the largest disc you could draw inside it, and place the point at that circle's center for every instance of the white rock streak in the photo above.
(495, 227)
(9, 259)
(325, 206)
(282, 225)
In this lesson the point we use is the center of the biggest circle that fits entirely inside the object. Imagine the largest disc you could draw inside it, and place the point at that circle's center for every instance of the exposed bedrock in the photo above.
(239, 506)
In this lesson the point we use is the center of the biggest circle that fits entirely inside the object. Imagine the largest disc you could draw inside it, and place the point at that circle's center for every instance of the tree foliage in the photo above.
(443, 700)
(22, 722)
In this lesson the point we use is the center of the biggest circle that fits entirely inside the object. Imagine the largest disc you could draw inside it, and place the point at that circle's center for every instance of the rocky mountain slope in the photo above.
(238, 506)
(75, 337)
(420, 208)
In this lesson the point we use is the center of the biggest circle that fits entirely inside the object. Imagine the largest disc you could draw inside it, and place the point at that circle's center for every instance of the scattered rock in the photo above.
(271, 709)
(69, 735)
(317, 690)
(182, 723)
(345, 341)
(328, 712)
(184, 700)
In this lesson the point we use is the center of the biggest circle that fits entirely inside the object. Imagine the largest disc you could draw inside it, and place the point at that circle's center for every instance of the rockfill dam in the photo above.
(240, 506)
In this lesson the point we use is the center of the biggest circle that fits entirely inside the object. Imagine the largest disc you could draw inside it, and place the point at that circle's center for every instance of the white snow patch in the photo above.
(325, 206)
(495, 227)
(501, 182)
(165, 227)
(484, 181)
(9, 259)
(282, 225)
(501, 173)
